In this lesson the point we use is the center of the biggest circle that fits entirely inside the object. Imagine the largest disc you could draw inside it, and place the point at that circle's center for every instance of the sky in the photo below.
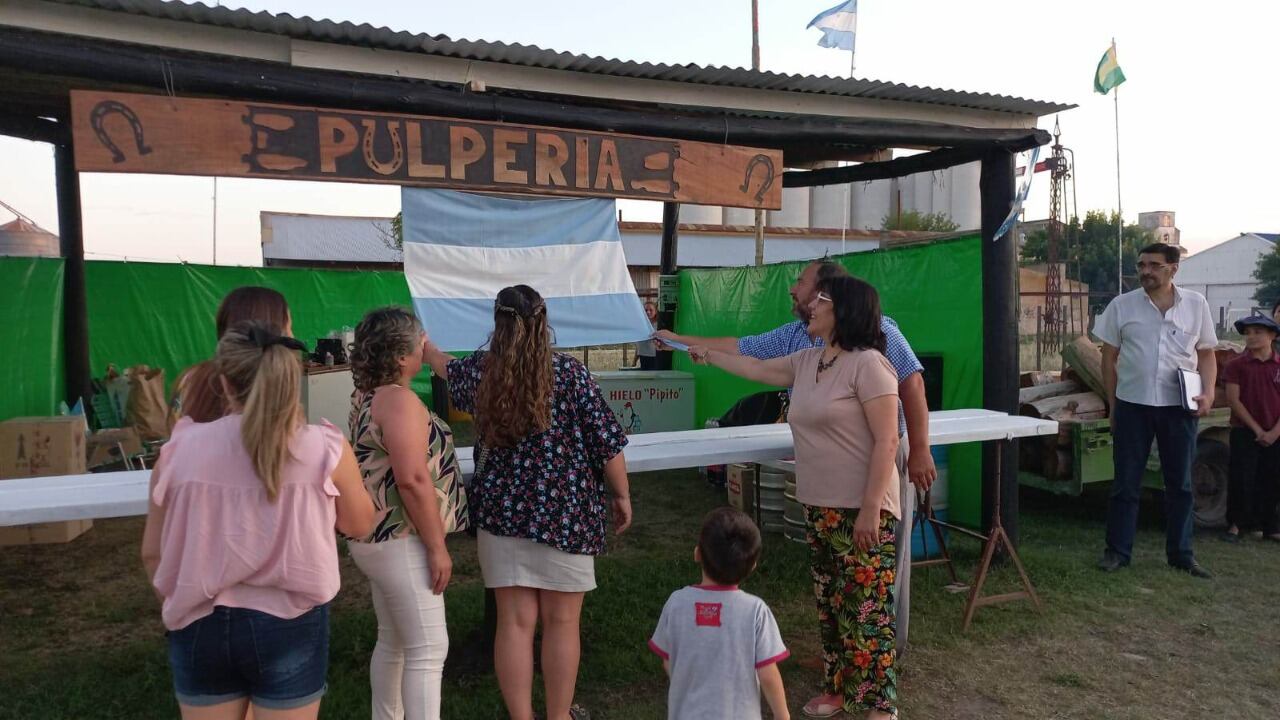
(1196, 116)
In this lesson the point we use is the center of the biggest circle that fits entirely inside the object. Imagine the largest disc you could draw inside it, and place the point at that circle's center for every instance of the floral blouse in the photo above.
(380, 479)
(550, 487)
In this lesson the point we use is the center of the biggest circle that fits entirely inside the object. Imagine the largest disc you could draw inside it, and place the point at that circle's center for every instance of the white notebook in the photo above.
(1191, 386)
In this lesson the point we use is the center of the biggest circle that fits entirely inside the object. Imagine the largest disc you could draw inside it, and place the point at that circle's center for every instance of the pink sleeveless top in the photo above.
(224, 543)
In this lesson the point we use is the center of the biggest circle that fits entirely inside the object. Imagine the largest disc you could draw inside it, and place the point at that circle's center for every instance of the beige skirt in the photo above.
(519, 562)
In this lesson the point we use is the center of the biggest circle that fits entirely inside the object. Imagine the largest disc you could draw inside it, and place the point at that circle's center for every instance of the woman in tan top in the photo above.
(844, 418)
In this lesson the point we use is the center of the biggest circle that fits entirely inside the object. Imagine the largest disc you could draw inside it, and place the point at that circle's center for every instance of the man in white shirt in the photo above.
(1149, 335)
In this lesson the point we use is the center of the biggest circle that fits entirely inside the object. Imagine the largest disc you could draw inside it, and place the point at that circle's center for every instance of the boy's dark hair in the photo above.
(1170, 253)
(729, 545)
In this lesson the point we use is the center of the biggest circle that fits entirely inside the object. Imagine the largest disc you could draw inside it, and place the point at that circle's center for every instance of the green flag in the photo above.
(1109, 73)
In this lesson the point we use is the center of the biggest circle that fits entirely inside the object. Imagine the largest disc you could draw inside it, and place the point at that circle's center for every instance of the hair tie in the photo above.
(506, 309)
(264, 339)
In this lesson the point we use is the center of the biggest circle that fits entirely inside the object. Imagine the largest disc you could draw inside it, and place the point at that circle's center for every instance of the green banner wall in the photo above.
(933, 291)
(31, 318)
(162, 314)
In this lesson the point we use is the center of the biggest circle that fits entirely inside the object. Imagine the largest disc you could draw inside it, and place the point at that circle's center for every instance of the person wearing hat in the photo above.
(1253, 391)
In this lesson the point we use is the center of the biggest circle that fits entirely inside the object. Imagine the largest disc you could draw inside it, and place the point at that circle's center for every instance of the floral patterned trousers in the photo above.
(854, 589)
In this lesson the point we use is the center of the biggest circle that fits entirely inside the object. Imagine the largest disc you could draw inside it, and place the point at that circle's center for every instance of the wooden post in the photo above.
(670, 245)
(1000, 336)
(75, 312)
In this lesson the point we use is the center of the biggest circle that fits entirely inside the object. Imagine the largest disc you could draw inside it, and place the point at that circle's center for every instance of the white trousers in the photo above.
(408, 660)
(902, 578)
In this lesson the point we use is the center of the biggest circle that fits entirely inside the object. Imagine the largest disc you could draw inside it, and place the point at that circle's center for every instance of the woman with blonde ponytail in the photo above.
(549, 469)
(239, 542)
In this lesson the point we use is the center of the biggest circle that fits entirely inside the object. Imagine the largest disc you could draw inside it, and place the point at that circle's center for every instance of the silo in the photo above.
(25, 239)
(827, 206)
(869, 203)
(701, 214)
(739, 216)
(794, 212)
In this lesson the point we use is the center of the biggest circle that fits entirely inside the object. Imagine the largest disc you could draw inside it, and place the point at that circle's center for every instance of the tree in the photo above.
(914, 220)
(394, 237)
(1089, 249)
(1267, 273)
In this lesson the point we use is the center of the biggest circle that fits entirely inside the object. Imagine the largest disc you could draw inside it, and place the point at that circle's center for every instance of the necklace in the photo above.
(824, 365)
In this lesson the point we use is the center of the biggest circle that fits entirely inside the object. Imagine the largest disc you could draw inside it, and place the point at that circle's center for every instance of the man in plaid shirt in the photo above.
(915, 461)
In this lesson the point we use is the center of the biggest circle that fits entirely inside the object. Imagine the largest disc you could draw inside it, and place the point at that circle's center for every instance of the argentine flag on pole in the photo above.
(460, 249)
(838, 25)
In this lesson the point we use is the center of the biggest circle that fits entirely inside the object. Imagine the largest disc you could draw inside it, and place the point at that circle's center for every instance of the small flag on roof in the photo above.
(838, 25)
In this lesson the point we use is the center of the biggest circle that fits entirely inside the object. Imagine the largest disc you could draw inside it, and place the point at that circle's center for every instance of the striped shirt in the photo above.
(794, 336)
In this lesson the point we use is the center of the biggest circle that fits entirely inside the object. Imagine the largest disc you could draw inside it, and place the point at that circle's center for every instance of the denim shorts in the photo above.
(235, 653)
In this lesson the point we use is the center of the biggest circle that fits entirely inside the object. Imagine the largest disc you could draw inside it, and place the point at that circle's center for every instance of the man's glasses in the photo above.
(1153, 267)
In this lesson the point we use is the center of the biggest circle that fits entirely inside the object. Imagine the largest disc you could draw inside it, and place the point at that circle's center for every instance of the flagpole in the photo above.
(853, 64)
(1119, 204)
(755, 65)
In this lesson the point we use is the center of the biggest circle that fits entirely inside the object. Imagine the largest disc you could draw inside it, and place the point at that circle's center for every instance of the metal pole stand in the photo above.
(992, 542)
(925, 519)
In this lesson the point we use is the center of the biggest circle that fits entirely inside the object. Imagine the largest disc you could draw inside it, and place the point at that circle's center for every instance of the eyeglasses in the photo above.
(824, 297)
(1153, 267)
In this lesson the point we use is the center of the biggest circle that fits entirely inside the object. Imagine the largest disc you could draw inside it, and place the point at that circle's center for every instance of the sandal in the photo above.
(824, 706)
(577, 712)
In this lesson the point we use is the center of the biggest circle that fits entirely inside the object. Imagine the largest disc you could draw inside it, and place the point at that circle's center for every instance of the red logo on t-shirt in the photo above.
(708, 614)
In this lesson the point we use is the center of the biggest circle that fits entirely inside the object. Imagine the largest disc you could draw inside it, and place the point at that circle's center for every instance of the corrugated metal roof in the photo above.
(289, 236)
(365, 35)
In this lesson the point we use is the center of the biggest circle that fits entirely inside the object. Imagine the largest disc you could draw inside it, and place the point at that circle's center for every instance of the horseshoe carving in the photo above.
(397, 149)
(99, 115)
(769, 175)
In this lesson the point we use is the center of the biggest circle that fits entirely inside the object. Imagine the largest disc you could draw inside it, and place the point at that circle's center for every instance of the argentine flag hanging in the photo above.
(837, 25)
(460, 249)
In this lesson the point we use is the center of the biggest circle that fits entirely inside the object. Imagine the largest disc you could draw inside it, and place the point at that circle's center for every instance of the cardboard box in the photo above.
(102, 445)
(44, 533)
(34, 447)
(740, 482)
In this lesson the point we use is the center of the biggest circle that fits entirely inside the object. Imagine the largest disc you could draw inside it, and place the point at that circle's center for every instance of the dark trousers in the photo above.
(1254, 487)
(1133, 427)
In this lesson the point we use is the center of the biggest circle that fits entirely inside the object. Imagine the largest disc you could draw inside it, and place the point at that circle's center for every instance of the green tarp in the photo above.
(161, 314)
(933, 291)
(31, 318)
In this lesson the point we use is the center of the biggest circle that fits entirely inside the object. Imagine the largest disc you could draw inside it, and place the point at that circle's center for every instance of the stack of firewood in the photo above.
(1074, 396)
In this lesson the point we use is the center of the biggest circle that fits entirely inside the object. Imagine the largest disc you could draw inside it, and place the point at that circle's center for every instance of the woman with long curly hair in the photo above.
(548, 453)
(410, 471)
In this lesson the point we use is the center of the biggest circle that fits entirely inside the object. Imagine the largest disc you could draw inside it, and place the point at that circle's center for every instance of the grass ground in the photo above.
(80, 635)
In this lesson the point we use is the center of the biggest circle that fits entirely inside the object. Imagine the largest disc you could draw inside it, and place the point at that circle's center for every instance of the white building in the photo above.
(1224, 274)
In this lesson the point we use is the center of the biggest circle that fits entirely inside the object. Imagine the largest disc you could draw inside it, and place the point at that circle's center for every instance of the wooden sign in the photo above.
(121, 132)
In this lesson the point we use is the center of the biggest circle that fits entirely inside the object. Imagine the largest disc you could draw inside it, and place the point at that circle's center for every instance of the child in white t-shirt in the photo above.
(721, 646)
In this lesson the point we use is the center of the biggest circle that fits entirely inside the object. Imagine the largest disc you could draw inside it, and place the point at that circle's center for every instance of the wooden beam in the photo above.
(1000, 337)
(924, 162)
(36, 129)
(96, 63)
(667, 266)
(75, 310)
